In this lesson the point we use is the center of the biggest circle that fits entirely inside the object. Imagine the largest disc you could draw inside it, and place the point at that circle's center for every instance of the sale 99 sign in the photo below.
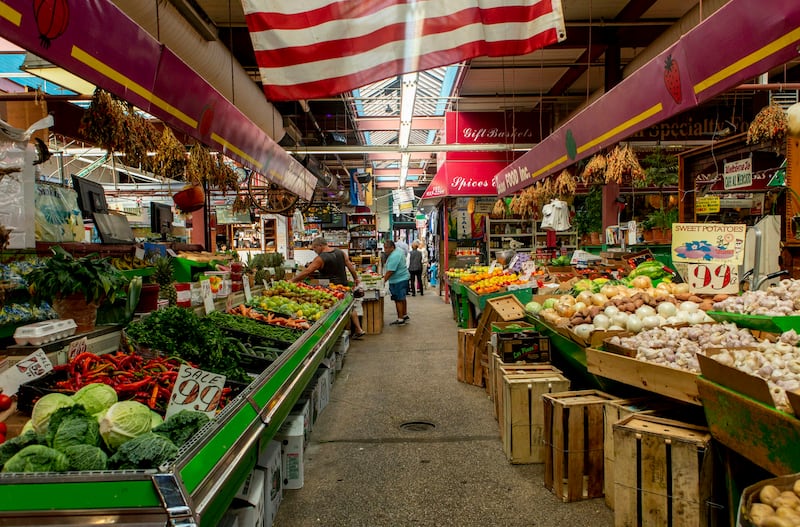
(713, 278)
(196, 390)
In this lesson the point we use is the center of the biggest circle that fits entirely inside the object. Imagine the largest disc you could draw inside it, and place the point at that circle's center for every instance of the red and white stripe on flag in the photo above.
(308, 49)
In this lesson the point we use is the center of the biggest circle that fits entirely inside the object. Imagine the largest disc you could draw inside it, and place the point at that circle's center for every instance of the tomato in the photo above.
(3, 429)
(5, 402)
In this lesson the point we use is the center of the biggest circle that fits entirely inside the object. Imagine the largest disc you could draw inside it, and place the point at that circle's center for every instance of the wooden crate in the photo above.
(372, 324)
(523, 419)
(613, 412)
(500, 309)
(500, 369)
(663, 473)
(466, 357)
(573, 435)
(678, 384)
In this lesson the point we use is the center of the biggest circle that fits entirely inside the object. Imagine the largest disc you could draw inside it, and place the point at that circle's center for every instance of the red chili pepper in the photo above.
(133, 386)
(153, 398)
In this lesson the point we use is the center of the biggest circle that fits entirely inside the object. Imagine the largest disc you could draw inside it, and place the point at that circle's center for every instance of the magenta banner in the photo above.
(490, 127)
(740, 41)
(99, 43)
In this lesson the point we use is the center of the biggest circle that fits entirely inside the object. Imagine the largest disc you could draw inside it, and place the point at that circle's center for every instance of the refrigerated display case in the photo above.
(198, 487)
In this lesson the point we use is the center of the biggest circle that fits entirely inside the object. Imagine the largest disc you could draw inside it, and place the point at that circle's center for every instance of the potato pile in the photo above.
(777, 508)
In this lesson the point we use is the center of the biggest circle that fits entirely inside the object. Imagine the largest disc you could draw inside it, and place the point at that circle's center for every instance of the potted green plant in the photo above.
(589, 217)
(661, 221)
(77, 286)
(661, 171)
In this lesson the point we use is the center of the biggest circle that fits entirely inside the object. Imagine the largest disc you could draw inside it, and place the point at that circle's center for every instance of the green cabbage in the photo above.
(15, 444)
(155, 419)
(63, 414)
(76, 431)
(45, 407)
(144, 452)
(549, 303)
(27, 426)
(181, 426)
(124, 421)
(37, 458)
(86, 457)
(96, 397)
(533, 307)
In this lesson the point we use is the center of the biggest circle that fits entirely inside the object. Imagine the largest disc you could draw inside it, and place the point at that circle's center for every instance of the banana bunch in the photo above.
(128, 262)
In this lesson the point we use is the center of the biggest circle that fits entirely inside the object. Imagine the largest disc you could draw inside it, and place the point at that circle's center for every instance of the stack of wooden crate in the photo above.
(573, 438)
(505, 308)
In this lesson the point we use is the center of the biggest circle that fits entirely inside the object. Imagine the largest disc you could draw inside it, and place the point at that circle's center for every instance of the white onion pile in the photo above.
(778, 300)
(677, 348)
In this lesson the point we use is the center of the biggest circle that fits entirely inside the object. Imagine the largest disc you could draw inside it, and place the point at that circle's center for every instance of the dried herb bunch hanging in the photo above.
(222, 177)
(170, 159)
(595, 170)
(768, 126)
(200, 165)
(141, 138)
(622, 162)
(242, 203)
(103, 124)
(565, 185)
(499, 209)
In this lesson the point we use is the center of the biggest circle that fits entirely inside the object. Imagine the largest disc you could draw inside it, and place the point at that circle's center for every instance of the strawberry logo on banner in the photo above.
(332, 47)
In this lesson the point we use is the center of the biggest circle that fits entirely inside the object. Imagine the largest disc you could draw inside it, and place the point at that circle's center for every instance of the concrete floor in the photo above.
(362, 469)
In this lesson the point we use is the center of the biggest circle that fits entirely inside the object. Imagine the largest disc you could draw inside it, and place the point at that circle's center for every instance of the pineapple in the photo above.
(164, 278)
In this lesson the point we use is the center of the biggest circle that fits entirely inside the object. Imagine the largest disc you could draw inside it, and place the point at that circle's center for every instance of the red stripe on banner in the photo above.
(267, 20)
(325, 87)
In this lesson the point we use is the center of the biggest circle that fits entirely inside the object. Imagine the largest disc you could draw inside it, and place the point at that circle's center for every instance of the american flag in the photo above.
(308, 49)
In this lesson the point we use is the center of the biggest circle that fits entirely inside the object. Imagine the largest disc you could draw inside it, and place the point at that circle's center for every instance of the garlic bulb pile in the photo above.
(779, 300)
(778, 363)
(677, 348)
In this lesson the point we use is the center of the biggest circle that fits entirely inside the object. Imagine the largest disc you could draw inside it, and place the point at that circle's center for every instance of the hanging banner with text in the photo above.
(708, 242)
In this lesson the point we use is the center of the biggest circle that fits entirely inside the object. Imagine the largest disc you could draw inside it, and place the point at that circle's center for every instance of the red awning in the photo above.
(464, 178)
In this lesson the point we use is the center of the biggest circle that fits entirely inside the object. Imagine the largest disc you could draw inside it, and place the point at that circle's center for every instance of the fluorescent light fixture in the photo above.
(405, 157)
(408, 96)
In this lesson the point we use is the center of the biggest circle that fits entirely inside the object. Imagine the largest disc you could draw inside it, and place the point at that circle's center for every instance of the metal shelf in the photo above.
(199, 487)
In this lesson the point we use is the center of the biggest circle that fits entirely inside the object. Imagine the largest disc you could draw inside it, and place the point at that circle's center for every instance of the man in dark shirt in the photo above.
(332, 264)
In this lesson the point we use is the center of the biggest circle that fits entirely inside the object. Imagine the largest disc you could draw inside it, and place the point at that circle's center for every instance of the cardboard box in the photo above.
(304, 407)
(270, 462)
(527, 346)
(292, 439)
(324, 383)
(248, 504)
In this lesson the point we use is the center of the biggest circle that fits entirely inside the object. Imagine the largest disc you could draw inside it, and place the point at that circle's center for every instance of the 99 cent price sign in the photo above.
(196, 390)
(713, 278)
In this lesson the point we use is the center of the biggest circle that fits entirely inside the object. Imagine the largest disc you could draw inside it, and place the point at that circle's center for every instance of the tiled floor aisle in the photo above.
(362, 469)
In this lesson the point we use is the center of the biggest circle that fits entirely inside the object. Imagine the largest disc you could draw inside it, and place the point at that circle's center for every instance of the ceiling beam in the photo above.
(414, 149)
(373, 124)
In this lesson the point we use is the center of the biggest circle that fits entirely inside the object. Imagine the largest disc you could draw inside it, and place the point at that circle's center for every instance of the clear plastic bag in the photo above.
(58, 218)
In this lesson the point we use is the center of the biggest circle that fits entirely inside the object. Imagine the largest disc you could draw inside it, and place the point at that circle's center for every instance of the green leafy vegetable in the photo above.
(59, 416)
(37, 458)
(96, 397)
(15, 444)
(124, 421)
(181, 332)
(179, 427)
(86, 457)
(144, 452)
(76, 431)
(45, 407)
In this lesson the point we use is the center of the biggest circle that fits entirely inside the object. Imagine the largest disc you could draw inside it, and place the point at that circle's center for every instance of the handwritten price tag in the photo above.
(248, 295)
(494, 265)
(207, 296)
(31, 367)
(196, 390)
(528, 268)
(76, 347)
(139, 253)
(513, 261)
(712, 278)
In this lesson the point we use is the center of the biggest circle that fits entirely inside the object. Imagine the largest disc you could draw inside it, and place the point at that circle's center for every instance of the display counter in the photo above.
(200, 485)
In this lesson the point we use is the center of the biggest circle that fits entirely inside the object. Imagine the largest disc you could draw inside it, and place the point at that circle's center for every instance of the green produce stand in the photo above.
(479, 301)
(199, 487)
